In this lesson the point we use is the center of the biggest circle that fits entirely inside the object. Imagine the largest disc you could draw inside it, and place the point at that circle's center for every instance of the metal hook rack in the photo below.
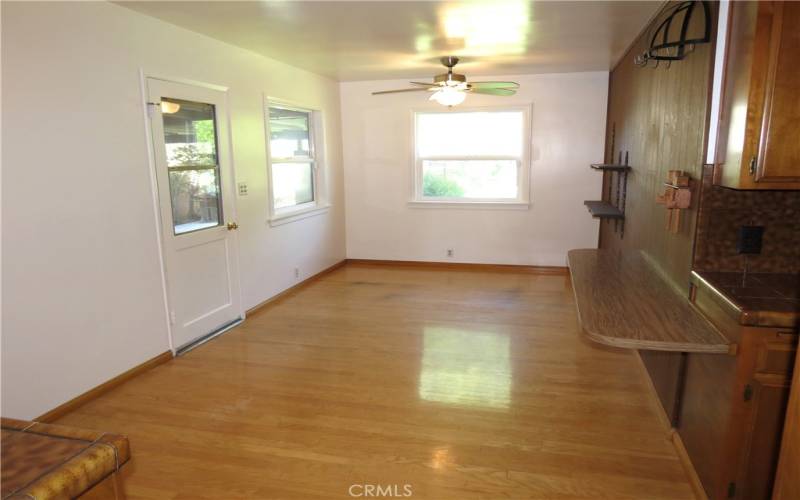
(662, 48)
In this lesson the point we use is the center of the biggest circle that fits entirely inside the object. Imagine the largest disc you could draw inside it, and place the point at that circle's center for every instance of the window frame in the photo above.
(279, 216)
(522, 201)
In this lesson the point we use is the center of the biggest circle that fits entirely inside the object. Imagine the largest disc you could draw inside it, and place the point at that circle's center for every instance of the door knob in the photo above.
(232, 226)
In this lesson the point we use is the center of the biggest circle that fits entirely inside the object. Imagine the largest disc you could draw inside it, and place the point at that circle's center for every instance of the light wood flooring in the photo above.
(460, 384)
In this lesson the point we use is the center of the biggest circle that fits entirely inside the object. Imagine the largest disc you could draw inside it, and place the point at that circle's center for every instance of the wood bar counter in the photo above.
(734, 361)
(623, 302)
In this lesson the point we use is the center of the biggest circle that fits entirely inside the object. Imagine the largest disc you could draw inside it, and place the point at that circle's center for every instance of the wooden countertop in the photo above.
(45, 461)
(623, 302)
(755, 299)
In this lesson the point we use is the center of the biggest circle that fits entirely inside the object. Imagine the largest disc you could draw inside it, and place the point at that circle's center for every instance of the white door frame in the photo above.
(144, 75)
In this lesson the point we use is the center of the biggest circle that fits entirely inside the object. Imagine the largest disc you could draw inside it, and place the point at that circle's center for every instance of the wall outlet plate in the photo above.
(749, 240)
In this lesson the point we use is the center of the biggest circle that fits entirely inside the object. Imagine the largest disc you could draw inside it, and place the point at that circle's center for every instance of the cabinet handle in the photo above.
(752, 165)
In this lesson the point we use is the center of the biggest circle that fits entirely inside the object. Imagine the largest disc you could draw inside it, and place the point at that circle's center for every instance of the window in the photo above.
(472, 156)
(292, 160)
(191, 146)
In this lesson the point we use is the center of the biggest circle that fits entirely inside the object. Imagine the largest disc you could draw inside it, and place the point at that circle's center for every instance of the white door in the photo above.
(195, 192)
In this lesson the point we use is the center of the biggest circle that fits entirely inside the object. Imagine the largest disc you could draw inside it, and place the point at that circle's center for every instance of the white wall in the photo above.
(81, 282)
(569, 113)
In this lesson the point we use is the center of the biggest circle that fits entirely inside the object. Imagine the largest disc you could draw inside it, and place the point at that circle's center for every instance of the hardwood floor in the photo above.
(461, 384)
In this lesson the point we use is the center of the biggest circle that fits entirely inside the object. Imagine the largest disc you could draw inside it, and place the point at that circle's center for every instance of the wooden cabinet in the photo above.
(732, 414)
(732, 408)
(787, 481)
(759, 133)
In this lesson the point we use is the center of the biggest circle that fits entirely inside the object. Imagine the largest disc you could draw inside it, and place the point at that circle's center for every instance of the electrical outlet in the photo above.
(449, 252)
(749, 239)
(296, 272)
(242, 189)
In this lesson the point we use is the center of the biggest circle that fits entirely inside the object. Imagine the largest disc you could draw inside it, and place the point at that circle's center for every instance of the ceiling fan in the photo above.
(451, 88)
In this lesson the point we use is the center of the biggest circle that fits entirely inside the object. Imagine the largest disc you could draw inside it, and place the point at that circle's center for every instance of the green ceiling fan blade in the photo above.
(504, 92)
(494, 85)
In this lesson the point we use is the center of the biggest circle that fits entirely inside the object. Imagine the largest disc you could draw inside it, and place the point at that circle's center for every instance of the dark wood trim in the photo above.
(672, 434)
(655, 401)
(275, 299)
(465, 266)
(82, 399)
(683, 456)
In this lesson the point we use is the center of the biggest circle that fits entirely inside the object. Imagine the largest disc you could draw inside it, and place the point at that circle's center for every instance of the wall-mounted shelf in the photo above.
(610, 167)
(603, 210)
(608, 209)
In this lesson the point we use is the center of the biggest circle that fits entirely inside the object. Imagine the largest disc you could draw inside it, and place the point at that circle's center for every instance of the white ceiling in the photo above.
(370, 40)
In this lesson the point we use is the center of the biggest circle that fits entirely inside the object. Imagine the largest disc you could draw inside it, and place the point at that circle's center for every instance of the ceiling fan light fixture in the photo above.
(449, 96)
(450, 89)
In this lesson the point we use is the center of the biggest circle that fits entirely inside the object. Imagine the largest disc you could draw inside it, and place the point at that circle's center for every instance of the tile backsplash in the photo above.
(722, 211)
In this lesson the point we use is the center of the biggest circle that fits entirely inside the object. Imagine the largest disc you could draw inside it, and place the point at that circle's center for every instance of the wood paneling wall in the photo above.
(659, 117)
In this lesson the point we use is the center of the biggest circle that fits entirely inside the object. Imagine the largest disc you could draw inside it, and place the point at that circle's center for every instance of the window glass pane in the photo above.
(494, 179)
(484, 133)
(189, 133)
(190, 137)
(288, 133)
(292, 184)
(195, 199)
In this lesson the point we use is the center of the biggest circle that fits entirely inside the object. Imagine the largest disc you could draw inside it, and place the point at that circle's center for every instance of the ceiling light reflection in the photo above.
(488, 28)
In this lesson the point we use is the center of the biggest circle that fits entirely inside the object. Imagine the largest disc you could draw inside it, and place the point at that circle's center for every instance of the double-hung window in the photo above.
(293, 161)
(472, 156)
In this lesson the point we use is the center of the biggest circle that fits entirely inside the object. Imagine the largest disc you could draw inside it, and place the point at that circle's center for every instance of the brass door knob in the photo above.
(232, 226)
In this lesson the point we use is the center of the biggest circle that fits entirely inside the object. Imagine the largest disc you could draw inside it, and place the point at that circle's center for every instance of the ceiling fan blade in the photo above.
(400, 90)
(431, 84)
(494, 85)
(493, 91)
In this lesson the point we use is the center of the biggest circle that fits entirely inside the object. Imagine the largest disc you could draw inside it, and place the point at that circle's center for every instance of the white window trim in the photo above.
(522, 202)
(320, 205)
(300, 214)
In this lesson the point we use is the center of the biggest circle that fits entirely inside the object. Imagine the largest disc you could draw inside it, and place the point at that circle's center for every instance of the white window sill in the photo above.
(472, 205)
(287, 217)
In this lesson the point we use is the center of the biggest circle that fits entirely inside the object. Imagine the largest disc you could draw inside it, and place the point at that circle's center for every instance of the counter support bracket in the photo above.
(679, 387)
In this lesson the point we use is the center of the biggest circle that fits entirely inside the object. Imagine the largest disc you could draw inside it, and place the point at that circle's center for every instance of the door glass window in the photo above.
(190, 137)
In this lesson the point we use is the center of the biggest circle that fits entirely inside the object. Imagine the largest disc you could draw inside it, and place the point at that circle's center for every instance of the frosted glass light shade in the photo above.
(448, 96)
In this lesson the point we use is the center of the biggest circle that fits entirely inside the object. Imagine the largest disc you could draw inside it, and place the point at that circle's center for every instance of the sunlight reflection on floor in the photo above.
(466, 367)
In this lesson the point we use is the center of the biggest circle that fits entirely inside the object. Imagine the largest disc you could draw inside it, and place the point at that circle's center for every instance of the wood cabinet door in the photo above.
(759, 135)
(766, 397)
(763, 428)
(779, 148)
(787, 480)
